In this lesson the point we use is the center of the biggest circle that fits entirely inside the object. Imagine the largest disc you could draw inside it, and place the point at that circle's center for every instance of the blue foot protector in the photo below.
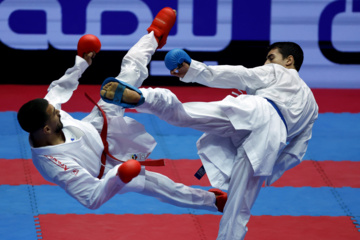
(119, 93)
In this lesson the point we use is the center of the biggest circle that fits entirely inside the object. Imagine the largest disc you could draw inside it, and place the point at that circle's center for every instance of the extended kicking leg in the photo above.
(166, 190)
(133, 67)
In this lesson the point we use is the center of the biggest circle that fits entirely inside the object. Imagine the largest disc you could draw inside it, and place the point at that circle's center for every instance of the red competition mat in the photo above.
(329, 100)
(307, 174)
(194, 227)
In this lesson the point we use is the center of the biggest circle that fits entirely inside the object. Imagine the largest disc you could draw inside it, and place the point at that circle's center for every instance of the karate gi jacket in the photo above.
(74, 166)
(271, 148)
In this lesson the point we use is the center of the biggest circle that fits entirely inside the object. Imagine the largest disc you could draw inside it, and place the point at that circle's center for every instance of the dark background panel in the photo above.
(42, 67)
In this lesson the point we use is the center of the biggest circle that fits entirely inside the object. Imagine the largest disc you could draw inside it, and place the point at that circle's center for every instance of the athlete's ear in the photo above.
(290, 61)
(46, 129)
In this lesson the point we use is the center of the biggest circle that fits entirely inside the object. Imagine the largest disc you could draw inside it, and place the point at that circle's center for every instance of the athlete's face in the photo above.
(274, 56)
(54, 121)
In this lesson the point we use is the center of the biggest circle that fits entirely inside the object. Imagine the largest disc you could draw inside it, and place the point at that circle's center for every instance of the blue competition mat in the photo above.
(271, 201)
(334, 136)
(18, 226)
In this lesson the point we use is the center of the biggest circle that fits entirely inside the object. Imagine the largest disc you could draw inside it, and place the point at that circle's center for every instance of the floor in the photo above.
(319, 199)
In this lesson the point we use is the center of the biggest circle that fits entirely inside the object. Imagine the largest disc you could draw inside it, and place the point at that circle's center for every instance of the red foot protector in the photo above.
(162, 25)
(88, 43)
(128, 170)
(221, 198)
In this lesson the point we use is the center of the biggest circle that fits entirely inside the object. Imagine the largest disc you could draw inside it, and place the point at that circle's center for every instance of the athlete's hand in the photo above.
(180, 71)
(128, 170)
(89, 56)
(88, 46)
(178, 62)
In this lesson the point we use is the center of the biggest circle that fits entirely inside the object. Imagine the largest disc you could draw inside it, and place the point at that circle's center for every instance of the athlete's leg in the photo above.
(203, 116)
(242, 193)
(134, 64)
(166, 190)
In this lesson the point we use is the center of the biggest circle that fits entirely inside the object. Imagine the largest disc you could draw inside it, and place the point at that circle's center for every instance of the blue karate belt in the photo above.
(278, 111)
(201, 172)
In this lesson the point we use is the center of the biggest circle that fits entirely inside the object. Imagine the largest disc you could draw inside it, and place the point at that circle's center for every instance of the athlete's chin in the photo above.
(59, 127)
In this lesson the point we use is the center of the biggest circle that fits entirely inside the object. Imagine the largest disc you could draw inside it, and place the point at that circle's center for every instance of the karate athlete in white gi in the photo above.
(248, 139)
(67, 151)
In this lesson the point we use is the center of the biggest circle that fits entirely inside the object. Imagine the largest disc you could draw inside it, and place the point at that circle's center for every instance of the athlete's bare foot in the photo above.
(129, 96)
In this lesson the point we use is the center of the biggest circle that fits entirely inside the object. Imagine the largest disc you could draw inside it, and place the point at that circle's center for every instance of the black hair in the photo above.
(32, 115)
(290, 48)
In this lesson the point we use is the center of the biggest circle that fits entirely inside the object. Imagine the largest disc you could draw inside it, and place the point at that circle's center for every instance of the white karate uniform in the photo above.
(245, 141)
(75, 164)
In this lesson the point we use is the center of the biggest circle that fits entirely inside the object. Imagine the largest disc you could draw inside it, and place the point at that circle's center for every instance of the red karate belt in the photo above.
(103, 135)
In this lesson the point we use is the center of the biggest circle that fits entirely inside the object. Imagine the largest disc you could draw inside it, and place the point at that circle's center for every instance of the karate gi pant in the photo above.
(178, 194)
(243, 190)
(207, 117)
(134, 71)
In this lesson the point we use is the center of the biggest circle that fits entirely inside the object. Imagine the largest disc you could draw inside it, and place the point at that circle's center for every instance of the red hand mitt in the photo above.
(88, 43)
(128, 170)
